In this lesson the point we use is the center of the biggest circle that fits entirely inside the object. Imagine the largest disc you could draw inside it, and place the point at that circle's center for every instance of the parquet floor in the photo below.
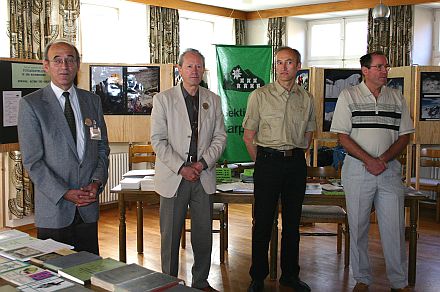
(321, 267)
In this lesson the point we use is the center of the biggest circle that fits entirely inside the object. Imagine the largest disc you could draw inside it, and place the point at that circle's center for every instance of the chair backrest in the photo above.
(138, 153)
(322, 172)
(429, 157)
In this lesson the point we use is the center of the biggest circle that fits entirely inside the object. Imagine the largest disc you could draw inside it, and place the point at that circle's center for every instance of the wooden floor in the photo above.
(321, 267)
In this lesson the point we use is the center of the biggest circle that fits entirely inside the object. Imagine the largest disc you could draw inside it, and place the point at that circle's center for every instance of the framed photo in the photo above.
(335, 81)
(430, 96)
(396, 83)
(302, 78)
(107, 82)
(142, 84)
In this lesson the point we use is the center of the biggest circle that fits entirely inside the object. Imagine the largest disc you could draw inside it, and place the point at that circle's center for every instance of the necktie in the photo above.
(70, 116)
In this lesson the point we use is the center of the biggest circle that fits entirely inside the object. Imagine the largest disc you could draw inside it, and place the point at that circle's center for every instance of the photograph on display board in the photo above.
(430, 96)
(335, 81)
(107, 82)
(142, 84)
(302, 78)
(396, 83)
(177, 77)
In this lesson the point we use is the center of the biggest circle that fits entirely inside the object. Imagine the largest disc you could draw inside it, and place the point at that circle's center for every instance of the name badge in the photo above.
(95, 131)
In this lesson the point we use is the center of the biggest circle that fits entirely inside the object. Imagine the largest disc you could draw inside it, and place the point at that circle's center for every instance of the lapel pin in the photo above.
(205, 105)
(88, 122)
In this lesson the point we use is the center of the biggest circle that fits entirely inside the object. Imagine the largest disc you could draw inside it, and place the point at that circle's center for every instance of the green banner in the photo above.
(240, 70)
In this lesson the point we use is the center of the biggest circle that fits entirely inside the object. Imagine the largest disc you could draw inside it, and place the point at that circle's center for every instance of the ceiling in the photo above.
(254, 5)
(258, 5)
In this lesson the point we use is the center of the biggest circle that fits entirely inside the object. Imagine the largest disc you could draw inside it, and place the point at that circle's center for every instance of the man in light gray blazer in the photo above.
(188, 136)
(64, 146)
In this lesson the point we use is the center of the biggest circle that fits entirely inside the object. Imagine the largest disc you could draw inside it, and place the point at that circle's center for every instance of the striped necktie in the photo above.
(69, 114)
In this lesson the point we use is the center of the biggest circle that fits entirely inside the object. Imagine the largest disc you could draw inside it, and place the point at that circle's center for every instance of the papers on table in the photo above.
(34, 248)
(145, 183)
(139, 173)
(236, 187)
(332, 187)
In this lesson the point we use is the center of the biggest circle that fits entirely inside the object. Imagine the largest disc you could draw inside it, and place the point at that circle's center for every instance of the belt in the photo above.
(279, 153)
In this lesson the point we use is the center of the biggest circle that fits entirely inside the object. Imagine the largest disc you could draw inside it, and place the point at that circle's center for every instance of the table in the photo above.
(411, 201)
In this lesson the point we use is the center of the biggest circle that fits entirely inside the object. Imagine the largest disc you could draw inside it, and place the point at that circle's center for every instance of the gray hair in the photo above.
(194, 51)
(61, 41)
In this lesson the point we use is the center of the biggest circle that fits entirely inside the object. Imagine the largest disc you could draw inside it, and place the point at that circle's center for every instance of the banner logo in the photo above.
(242, 80)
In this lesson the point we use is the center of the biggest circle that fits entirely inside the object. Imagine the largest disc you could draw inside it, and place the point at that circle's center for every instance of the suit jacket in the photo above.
(49, 155)
(171, 137)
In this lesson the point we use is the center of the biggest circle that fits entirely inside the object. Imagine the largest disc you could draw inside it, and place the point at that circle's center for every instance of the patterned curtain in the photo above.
(276, 33)
(164, 35)
(392, 36)
(240, 31)
(34, 23)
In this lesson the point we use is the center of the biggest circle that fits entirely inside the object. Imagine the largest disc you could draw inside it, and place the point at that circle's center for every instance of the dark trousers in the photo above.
(83, 236)
(276, 176)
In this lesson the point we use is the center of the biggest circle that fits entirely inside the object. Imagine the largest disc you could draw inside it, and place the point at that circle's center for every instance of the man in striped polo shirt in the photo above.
(373, 124)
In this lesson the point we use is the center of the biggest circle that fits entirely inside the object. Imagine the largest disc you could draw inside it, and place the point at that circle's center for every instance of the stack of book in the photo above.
(147, 183)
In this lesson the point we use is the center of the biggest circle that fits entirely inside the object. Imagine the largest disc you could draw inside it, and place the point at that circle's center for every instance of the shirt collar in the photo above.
(59, 91)
(366, 91)
(186, 94)
(280, 90)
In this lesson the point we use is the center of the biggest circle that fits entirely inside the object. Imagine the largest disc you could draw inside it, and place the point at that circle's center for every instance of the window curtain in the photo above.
(392, 36)
(276, 33)
(240, 31)
(34, 23)
(164, 35)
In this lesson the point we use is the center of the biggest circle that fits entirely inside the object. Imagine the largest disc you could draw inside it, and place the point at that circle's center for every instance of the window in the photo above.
(114, 32)
(201, 32)
(337, 43)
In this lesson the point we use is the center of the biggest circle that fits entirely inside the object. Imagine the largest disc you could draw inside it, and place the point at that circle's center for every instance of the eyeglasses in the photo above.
(58, 61)
(380, 67)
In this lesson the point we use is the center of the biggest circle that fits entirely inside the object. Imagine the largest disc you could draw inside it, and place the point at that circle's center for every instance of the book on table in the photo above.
(70, 260)
(82, 273)
(109, 279)
(130, 183)
(153, 282)
(49, 284)
(9, 234)
(147, 183)
(11, 265)
(26, 275)
(39, 260)
(139, 173)
(17, 242)
(7, 288)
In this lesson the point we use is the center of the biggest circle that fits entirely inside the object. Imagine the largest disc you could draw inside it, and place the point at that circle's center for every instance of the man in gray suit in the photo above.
(63, 141)
(188, 136)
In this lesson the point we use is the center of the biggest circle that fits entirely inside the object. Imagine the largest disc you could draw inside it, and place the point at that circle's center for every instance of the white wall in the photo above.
(256, 32)
(296, 31)
(423, 35)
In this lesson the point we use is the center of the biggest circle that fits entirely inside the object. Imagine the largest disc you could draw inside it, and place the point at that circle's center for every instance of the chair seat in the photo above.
(323, 212)
(426, 181)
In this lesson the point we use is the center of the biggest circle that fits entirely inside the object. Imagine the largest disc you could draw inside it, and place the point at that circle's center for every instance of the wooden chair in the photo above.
(328, 214)
(138, 153)
(219, 212)
(429, 158)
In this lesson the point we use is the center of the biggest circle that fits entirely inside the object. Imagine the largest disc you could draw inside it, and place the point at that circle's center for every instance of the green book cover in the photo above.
(82, 273)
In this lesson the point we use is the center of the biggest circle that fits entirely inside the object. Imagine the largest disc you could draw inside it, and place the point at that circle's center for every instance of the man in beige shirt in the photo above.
(279, 123)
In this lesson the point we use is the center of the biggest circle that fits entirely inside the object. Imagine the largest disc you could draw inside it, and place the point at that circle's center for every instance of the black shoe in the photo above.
(295, 283)
(256, 286)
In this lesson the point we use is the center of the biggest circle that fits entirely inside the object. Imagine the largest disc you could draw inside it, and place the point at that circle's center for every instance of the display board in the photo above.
(19, 78)
(136, 82)
(427, 105)
(326, 85)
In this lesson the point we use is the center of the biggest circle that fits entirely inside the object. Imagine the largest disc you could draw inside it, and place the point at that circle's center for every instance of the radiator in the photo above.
(118, 165)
